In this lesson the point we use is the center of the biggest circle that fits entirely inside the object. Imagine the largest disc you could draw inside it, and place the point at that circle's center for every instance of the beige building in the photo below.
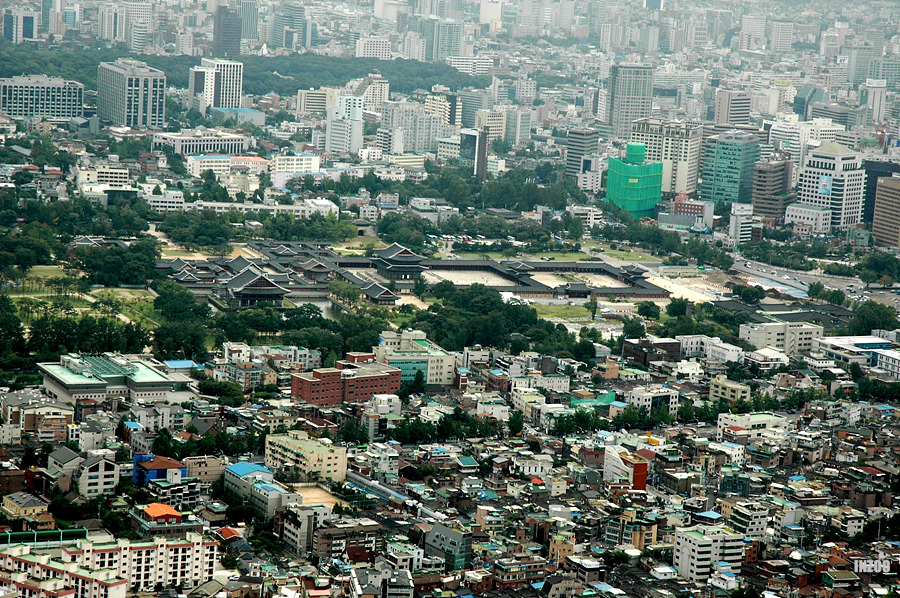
(21, 505)
(206, 468)
(723, 388)
(791, 338)
(886, 221)
(296, 452)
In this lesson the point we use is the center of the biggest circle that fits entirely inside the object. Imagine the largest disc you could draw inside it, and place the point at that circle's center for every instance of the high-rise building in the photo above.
(805, 96)
(795, 137)
(443, 37)
(887, 69)
(677, 145)
(859, 59)
(227, 32)
(420, 129)
(471, 101)
(131, 94)
(216, 83)
(20, 24)
(742, 226)
(446, 106)
(629, 97)
(517, 126)
(112, 18)
(875, 169)
(581, 143)
(833, 178)
(41, 96)
(772, 182)
(727, 173)
(249, 13)
(886, 223)
(839, 114)
(732, 107)
(342, 135)
(873, 95)
(781, 36)
(473, 151)
(635, 184)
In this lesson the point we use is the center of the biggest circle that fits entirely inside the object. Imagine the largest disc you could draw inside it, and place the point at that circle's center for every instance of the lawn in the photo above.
(47, 272)
(559, 256)
(177, 253)
(138, 308)
(477, 255)
(561, 311)
(630, 256)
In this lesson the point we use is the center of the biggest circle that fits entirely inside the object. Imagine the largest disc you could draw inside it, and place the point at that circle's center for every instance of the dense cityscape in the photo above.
(449, 299)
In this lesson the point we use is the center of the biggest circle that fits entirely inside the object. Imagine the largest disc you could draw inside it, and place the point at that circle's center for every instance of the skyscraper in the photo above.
(630, 97)
(727, 173)
(581, 143)
(833, 178)
(216, 83)
(873, 95)
(732, 107)
(772, 181)
(886, 223)
(442, 37)
(635, 184)
(677, 145)
(781, 36)
(131, 94)
(249, 12)
(227, 32)
(473, 145)
(41, 96)
(875, 169)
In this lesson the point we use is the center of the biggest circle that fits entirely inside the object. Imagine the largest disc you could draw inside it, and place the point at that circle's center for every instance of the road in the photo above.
(798, 279)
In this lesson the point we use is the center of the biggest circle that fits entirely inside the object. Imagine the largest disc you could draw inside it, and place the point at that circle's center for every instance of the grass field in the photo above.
(47, 272)
(473, 255)
(177, 253)
(559, 256)
(561, 311)
(630, 256)
(135, 304)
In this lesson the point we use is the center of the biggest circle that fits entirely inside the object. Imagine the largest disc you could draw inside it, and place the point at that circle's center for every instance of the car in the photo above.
(234, 577)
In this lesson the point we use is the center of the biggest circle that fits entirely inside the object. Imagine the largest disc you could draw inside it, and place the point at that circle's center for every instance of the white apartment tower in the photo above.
(698, 548)
(833, 178)
(677, 145)
(374, 47)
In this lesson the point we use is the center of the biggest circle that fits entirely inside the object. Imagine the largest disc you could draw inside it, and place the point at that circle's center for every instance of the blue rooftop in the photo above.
(133, 425)
(796, 478)
(710, 515)
(618, 404)
(243, 468)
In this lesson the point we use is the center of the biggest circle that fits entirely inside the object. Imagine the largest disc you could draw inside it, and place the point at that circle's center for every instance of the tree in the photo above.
(592, 306)
(815, 289)
(868, 277)
(576, 229)
(516, 423)
(633, 328)
(872, 315)
(886, 281)
(420, 286)
(677, 307)
(648, 310)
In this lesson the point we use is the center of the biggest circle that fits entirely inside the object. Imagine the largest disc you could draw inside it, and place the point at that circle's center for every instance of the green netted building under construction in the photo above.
(634, 184)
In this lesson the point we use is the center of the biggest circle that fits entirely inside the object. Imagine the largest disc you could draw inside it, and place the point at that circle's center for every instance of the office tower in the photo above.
(677, 145)
(473, 151)
(227, 33)
(471, 102)
(373, 47)
(887, 69)
(794, 137)
(839, 114)
(860, 57)
(216, 83)
(781, 36)
(414, 46)
(112, 20)
(875, 169)
(873, 95)
(20, 24)
(517, 126)
(833, 178)
(886, 222)
(131, 94)
(41, 96)
(249, 13)
(46, 9)
(390, 141)
(137, 35)
(581, 143)
(772, 181)
(421, 130)
(806, 95)
(700, 548)
(342, 135)
(629, 97)
(634, 184)
(732, 107)
(742, 226)
(350, 107)
(291, 16)
(727, 173)
(753, 32)
(718, 23)
(375, 90)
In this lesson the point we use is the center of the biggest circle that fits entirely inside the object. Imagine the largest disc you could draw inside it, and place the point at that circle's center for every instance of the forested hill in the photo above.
(283, 75)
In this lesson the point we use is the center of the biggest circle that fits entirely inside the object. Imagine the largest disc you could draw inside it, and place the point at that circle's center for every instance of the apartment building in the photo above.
(621, 465)
(653, 397)
(754, 423)
(296, 524)
(698, 548)
(792, 338)
(298, 454)
(336, 536)
(729, 390)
